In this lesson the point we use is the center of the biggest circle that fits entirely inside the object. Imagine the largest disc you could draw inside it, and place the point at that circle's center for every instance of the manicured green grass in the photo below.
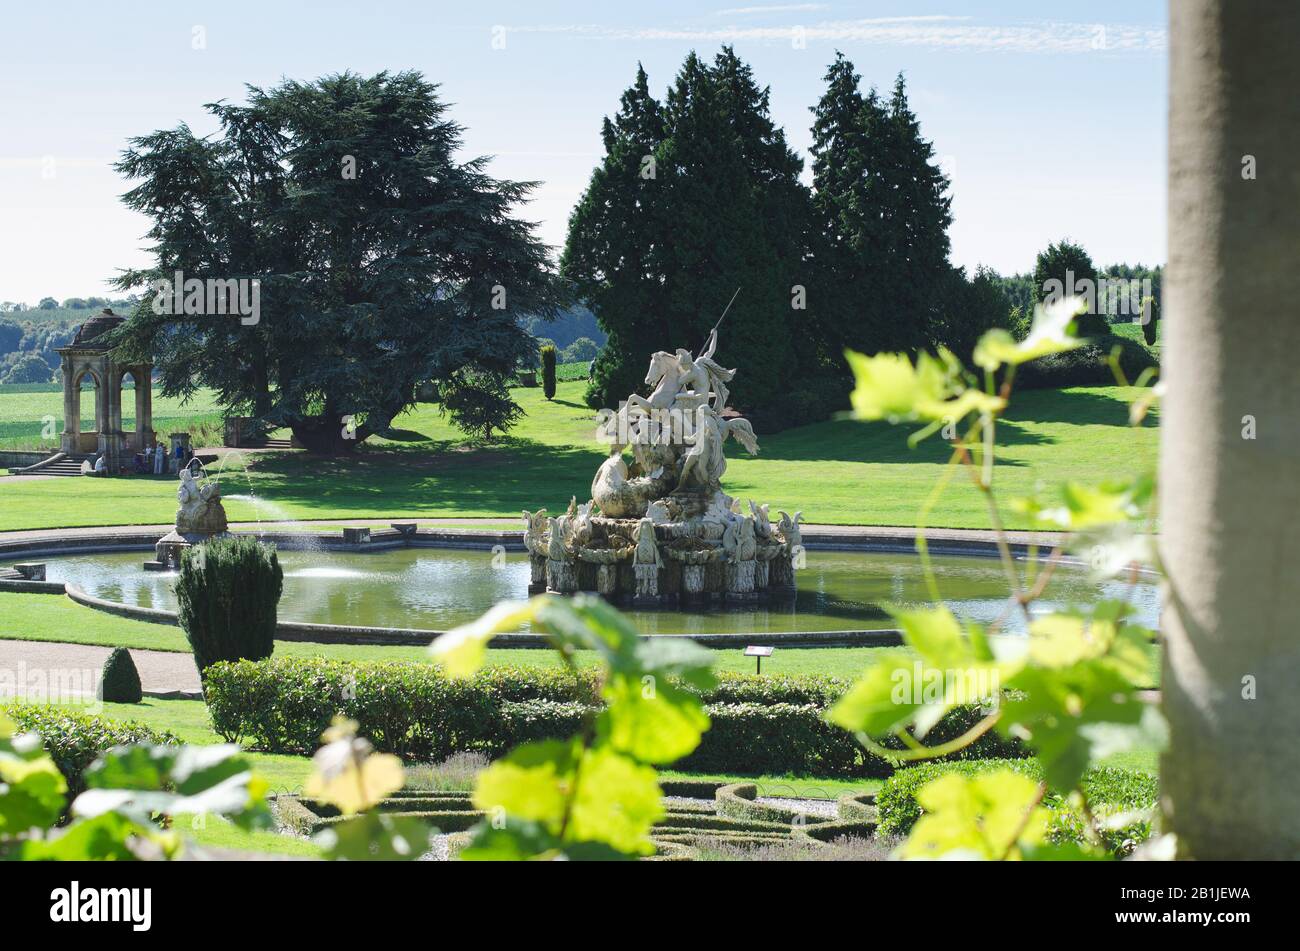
(215, 832)
(1133, 332)
(836, 472)
(53, 617)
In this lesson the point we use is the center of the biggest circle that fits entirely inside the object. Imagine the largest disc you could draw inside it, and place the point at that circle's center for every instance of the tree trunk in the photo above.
(324, 435)
(1230, 431)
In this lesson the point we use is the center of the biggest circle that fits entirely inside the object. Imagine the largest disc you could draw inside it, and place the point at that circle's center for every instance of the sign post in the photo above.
(758, 653)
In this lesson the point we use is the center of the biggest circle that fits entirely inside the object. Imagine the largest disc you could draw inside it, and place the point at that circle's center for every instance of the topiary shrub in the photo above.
(1151, 314)
(119, 682)
(227, 592)
(548, 371)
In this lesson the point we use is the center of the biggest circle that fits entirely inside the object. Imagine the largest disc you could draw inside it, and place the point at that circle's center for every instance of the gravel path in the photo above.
(826, 808)
(39, 669)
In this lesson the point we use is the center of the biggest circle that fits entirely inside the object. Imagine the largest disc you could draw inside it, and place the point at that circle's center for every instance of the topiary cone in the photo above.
(120, 681)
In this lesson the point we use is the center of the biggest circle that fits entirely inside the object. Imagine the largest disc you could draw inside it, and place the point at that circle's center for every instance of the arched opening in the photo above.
(86, 421)
(131, 409)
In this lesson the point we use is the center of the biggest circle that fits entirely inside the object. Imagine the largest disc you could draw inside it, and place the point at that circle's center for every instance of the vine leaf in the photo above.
(987, 816)
(1052, 331)
(349, 774)
(573, 794)
(888, 386)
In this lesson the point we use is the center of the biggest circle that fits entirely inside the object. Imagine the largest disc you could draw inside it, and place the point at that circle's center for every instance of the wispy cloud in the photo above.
(773, 8)
(939, 32)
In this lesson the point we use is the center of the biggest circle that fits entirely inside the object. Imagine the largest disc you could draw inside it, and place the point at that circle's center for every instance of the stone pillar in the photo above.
(537, 576)
(110, 422)
(762, 572)
(144, 431)
(781, 572)
(607, 579)
(562, 575)
(647, 583)
(1229, 436)
(740, 579)
(693, 580)
(71, 407)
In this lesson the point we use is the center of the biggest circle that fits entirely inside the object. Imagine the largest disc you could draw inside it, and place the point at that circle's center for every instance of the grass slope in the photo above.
(836, 472)
(52, 617)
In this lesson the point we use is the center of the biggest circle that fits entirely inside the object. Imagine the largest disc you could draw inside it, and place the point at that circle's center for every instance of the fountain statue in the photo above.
(660, 528)
(200, 516)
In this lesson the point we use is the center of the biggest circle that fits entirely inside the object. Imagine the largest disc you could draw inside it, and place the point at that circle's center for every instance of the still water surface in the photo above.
(435, 589)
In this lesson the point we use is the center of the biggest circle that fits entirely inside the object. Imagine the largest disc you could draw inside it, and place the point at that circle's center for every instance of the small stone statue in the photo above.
(201, 511)
(790, 533)
(559, 528)
(535, 531)
(647, 552)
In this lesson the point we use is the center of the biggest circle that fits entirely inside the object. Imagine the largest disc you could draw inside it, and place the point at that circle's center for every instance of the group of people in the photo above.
(156, 461)
(153, 461)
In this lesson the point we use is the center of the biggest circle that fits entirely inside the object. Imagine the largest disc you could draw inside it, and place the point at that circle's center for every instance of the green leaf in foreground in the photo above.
(987, 816)
(577, 795)
(1051, 332)
(650, 719)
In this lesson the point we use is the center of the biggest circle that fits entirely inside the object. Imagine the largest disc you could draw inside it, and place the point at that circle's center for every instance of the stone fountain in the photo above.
(662, 530)
(200, 517)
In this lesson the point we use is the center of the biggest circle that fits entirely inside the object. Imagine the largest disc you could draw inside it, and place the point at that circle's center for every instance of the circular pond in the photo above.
(436, 589)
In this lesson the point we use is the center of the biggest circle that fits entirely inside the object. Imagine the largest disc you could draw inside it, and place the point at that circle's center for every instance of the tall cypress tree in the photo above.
(613, 250)
(921, 214)
(881, 205)
(725, 210)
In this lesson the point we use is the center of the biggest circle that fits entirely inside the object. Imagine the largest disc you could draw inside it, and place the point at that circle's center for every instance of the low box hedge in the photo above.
(760, 725)
(74, 740)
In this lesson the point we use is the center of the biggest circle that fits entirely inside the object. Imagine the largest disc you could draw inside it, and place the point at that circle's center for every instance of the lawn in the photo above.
(835, 472)
(53, 617)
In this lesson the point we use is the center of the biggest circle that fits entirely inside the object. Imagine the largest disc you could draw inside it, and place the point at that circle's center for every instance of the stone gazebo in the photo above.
(88, 355)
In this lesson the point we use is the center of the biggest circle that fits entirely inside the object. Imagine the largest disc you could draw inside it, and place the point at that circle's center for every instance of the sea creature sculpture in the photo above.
(790, 532)
(647, 551)
(535, 525)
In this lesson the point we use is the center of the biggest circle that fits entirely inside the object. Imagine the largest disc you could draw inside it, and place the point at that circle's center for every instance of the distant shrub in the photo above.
(548, 371)
(73, 740)
(227, 592)
(1086, 366)
(120, 681)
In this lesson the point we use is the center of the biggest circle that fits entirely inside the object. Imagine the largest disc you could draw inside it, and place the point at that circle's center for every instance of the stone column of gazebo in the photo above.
(89, 355)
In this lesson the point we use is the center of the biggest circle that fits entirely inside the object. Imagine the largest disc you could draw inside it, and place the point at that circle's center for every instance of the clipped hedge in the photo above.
(760, 725)
(1108, 788)
(74, 740)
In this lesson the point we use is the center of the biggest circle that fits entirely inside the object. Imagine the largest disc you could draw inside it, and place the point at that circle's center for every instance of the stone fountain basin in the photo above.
(436, 588)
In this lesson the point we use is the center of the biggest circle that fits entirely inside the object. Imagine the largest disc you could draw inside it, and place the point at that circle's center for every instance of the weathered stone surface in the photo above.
(666, 513)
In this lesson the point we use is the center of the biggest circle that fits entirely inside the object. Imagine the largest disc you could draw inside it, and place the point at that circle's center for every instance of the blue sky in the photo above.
(1050, 116)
